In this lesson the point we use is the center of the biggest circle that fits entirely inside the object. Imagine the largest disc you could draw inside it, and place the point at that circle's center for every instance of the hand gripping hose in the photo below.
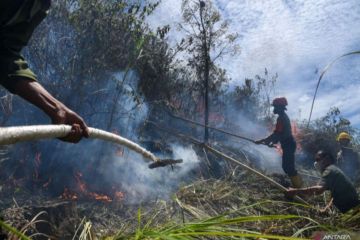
(12, 135)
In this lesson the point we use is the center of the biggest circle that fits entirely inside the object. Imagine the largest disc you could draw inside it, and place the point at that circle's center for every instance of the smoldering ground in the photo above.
(104, 167)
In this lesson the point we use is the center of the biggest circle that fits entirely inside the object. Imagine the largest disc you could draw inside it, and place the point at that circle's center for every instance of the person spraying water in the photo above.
(283, 134)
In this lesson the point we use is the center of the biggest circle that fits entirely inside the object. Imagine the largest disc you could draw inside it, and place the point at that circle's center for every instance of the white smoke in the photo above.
(140, 183)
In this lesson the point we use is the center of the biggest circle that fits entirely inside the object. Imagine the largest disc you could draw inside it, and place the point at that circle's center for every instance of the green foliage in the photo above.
(234, 208)
(87, 54)
(253, 99)
(13, 231)
(333, 122)
(322, 132)
(219, 226)
(95, 48)
(206, 40)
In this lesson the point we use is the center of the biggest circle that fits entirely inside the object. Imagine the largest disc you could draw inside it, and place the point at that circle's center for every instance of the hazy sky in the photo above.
(296, 39)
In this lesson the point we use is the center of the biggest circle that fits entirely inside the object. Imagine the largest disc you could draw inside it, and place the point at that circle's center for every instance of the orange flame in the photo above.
(45, 185)
(100, 197)
(297, 135)
(37, 164)
(279, 149)
(84, 193)
(119, 196)
(119, 152)
(69, 195)
(81, 184)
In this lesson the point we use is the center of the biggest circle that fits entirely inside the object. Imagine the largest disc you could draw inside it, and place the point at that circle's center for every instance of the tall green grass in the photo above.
(13, 230)
(219, 227)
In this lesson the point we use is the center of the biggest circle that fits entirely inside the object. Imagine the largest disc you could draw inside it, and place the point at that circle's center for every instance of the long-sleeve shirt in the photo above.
(342, 190)
(282, 132)
(348, 161)
(18, 20)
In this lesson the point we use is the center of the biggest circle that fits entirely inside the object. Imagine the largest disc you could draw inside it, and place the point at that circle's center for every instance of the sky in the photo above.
(295, 39)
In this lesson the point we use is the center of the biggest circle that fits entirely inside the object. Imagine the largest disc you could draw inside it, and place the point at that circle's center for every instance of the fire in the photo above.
(100, 197)
(37, 164)
(119, 196)
(279, 149)
(45, 185)
(119, 152)
(216, 118)
(297, 135)
(84, 193)
(81, 184)
(68, 195)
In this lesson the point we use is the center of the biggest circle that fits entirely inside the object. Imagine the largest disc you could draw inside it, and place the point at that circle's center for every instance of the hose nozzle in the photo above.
(164, 163)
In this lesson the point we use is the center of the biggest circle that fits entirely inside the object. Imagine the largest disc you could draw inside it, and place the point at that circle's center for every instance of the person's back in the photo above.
(348, 162)
(347, 159)
(342, 190)
(285, 136)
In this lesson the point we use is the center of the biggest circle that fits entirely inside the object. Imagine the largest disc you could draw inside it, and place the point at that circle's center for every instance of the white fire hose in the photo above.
(12, 135)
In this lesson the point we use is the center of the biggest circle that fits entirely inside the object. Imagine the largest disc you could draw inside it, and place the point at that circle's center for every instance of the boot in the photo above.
(296, 181)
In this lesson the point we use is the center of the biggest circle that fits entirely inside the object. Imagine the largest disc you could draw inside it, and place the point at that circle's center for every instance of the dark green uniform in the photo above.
(348, 161)
(18, 20)
(341, 188)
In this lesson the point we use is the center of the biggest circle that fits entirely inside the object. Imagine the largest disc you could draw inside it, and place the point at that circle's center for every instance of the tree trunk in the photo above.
(206, 73)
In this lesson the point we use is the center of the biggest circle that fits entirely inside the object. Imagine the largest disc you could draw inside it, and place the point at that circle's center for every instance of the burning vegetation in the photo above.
(214, 182)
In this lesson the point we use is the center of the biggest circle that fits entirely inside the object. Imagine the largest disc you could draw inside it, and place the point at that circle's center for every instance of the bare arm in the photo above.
(318, 189)
(36, 94)
(327, 205)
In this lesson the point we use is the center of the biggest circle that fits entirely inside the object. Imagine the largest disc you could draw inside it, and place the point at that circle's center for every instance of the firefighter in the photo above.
(343, 192)
(283, 134)
(347, 159)
(18, 19)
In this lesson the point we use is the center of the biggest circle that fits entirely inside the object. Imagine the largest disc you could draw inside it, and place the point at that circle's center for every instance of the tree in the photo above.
(86, 46)
(207, 40)
(322, 132)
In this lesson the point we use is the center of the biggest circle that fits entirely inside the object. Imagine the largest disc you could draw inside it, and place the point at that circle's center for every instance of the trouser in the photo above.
(288, 158)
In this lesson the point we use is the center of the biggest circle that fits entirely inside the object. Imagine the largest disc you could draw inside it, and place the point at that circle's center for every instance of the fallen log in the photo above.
(12, 135)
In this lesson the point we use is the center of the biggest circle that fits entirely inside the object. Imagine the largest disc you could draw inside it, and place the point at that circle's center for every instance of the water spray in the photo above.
(12, 135)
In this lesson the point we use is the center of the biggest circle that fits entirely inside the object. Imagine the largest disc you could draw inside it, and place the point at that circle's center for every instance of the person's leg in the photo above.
(288, 165)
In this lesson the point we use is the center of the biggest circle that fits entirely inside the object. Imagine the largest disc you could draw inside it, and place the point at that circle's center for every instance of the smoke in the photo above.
(120, 168)
(105, 167)
(141, 183)
(189, 157)
(267, 159)
(263, 157)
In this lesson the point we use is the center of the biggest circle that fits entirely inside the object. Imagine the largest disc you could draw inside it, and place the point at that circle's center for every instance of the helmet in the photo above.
(343, 135)
(280, 102)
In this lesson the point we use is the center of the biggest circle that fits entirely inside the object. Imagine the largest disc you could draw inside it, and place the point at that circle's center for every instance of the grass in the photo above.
(13, 231)
(233, 209)
(230, 208)
(219, 227)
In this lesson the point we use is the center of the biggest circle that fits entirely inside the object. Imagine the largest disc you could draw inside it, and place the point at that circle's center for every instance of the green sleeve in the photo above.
(328, 179)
